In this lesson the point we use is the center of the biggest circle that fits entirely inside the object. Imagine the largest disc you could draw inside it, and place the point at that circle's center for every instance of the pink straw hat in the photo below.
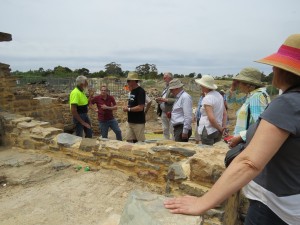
(287, 56)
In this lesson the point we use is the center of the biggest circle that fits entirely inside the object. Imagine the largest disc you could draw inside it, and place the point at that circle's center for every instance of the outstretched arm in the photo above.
(241, 171)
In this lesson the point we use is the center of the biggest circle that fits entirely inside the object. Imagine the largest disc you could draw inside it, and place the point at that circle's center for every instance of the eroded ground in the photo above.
(47, 188)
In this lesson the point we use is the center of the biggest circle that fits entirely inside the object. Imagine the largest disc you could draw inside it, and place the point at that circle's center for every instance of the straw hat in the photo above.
(175, 83)
(207, 81)
(287, 56)
(133, 76)
(249, 75)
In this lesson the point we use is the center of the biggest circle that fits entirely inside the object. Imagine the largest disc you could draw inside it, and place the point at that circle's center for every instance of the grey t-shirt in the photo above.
(281, 175)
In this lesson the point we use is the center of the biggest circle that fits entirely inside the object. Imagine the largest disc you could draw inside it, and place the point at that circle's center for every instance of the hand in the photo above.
(86, 125)
(184, 136)
(125, 109)
(104, 106)
(188, 205)
(235, 141)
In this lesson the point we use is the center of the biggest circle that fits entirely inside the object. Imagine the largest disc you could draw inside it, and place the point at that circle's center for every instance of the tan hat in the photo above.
(250, 75)
(207, 81)
(287, 56)
(175, 83)
(133, 76)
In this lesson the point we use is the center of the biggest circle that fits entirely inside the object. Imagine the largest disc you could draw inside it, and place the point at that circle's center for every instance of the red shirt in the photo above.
(104, 114)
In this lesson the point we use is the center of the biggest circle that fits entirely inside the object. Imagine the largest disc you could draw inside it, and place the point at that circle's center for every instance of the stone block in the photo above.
(194, 189)
(123, 163)
(148, 209)
(67, 140)
(123, 156)
(148, 166)
(88, 144)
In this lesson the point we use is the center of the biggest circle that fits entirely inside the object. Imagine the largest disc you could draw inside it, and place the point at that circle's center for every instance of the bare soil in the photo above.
(49, 188)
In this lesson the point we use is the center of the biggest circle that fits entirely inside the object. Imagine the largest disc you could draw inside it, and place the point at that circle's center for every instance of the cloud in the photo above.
(212, 37)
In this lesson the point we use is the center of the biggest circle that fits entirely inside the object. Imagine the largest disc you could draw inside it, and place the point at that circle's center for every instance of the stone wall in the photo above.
(175, 168)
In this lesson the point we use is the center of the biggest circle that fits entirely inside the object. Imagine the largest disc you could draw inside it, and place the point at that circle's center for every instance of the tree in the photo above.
(199, 75)
(147, 70)
(62, 71)
(82, 71)
(192, 75)
(113, 69)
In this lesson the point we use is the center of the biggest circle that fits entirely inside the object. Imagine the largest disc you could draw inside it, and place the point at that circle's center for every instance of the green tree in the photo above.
(82, 71)
(192, 75)
(62, 71)
(113, 69)
(147, 70)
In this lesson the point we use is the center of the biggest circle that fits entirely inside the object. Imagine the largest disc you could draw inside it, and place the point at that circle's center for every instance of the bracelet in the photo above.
(128, 109)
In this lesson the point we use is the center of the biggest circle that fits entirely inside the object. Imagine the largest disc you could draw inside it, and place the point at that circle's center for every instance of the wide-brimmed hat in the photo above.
(175, 83)
(133, 76)
(250, 75)
(287, 56)
(207, 81)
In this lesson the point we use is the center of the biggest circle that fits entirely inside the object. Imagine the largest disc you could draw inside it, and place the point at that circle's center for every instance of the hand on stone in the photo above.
(188, 205)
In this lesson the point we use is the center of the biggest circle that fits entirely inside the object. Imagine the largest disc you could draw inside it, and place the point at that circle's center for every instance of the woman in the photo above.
(255, 101)
(212, 122)
(270, 164)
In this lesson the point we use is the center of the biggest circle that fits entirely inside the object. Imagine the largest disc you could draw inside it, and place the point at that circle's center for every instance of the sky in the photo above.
(216, 37)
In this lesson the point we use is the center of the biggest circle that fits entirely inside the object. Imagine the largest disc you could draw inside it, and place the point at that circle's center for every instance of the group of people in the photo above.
(175, 108)
(268, 169)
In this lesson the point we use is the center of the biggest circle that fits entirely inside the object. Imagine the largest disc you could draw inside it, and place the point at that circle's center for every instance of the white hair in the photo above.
(168, 74)
(81, 80)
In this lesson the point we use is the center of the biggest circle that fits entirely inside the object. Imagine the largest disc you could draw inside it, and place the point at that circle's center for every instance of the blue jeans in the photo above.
(80, 128)
(259, 214)
(113, 124)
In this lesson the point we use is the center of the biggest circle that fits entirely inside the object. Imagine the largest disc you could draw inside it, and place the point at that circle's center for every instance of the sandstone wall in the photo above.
(176, 168)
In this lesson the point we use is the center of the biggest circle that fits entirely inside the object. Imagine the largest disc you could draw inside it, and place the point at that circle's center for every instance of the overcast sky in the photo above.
(214, 37)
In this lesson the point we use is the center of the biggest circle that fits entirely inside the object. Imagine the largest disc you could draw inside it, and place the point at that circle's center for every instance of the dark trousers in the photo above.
(178, 133)
(210, 139)
(80, 128)
(259, 214)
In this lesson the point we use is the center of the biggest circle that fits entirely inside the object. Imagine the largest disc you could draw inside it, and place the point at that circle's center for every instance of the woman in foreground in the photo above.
(270, 164)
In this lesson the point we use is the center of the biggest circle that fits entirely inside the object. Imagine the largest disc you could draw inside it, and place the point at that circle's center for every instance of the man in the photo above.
(135, 110)
(79, 108)
(105, 105)
(182, 112)
(166, 102)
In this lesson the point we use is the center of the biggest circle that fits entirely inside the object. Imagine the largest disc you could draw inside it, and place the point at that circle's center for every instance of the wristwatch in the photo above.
(128, 109)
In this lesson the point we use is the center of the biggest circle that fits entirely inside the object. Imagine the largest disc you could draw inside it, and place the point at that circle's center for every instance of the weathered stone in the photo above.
(205, 169)
(44, 101)
(60, 166)
(88, 144)
(148, 209)
(176, 172)
(42, 133)
(122, 156)
(148, 166)
(68, 140)
(148, 174)
(191, 188)
(31, 124)
(123, 163)
(22, 119)
(182, 151)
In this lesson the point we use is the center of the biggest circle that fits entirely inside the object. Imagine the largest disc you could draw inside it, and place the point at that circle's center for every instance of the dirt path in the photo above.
(45, 188)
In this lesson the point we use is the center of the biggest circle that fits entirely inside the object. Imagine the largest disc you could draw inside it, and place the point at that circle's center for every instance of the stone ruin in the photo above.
(176, 168)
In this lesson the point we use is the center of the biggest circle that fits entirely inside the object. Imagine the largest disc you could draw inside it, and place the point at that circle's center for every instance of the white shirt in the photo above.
(216, 101)
(182, 112)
